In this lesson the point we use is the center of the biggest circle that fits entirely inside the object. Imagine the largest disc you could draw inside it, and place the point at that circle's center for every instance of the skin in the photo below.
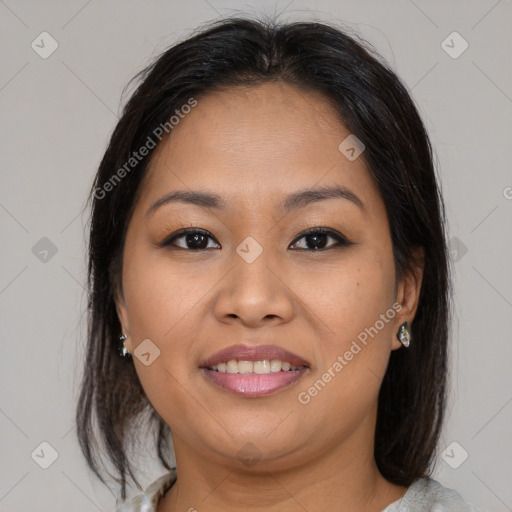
(253, 147)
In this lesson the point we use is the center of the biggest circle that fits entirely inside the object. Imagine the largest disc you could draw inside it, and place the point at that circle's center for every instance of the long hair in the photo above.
(375, 106)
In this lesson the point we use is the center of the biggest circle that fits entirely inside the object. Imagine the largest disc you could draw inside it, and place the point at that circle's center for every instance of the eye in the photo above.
(316, 239)
(193, 239)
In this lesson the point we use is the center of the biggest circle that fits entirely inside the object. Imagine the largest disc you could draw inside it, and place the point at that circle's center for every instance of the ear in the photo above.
(408, 292)
(122, 314)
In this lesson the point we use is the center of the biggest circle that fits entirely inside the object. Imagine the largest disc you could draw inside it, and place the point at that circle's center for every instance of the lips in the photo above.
(286, 369)
(254, 353)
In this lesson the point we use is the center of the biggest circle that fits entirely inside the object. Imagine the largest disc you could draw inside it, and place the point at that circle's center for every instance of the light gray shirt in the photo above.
(424, 495)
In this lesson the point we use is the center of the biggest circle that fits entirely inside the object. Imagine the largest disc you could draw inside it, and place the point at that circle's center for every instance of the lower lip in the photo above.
(253, 384)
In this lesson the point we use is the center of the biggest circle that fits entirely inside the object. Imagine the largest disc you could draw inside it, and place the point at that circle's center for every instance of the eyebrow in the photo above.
(294, 201)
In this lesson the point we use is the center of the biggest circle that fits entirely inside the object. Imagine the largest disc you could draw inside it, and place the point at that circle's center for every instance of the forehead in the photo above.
(259, 142)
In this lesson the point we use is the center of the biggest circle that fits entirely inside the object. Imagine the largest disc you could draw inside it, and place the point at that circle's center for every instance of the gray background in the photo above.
(56, 116)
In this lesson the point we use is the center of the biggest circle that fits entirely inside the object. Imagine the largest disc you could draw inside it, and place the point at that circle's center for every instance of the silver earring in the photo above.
(403, 335)
(123, 351)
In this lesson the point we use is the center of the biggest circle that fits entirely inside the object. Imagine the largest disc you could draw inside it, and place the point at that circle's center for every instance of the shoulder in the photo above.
(428, 495)
(147, 501)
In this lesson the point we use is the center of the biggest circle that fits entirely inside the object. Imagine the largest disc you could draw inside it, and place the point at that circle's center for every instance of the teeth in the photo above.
(232, 366)
(275, 365)
(261, 366)
(258, 367)
(245, 366)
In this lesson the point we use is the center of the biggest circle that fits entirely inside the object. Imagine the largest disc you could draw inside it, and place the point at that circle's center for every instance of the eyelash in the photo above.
(341, 241)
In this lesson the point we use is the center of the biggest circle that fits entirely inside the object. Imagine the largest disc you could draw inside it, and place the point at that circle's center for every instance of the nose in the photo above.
(254, 294)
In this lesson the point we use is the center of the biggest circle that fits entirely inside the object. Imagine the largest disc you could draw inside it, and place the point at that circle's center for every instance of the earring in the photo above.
(403, 334)
(123, 351)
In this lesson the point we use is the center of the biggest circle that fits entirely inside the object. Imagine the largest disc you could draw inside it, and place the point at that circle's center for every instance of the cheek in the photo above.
(159, 294)
(356, 304)
(161, 302)
(166, 301)
(352, 295)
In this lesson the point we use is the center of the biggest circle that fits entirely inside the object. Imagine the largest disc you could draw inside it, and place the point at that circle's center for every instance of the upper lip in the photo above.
(243, 352)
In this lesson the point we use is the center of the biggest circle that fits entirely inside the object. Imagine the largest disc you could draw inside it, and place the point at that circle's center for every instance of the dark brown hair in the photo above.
(376, 107)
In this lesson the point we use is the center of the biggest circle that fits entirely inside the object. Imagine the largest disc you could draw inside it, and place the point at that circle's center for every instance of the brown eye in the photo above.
(192, 239)
(316, 239)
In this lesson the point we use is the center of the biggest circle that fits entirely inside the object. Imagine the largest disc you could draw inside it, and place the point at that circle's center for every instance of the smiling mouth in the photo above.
(254, 370)
(254, 378)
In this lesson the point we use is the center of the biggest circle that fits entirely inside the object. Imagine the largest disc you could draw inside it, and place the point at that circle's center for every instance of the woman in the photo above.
(268, 250)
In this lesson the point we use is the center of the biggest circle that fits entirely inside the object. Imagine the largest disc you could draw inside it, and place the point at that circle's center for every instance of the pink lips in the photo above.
(253, 384)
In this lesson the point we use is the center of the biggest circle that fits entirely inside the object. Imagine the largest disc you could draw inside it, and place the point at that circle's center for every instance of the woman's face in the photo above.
(255, 280)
